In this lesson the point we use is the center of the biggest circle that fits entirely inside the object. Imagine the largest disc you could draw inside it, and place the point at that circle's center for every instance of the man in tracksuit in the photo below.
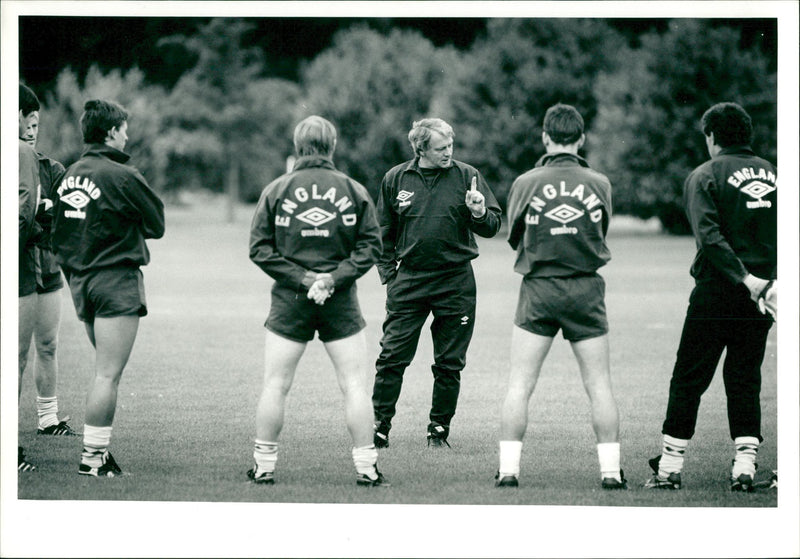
(315, 233)
(731, 203)
(103, 212)
(29, 230)
(558, 219)
(429, 209)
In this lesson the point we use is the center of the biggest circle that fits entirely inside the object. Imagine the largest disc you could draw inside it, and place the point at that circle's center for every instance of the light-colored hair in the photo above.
(421, 131)
(314, 136)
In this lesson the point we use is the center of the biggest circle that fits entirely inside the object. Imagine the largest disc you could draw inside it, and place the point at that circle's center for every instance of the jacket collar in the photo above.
(107, 151)
(308, 161)
(561, 159)
(737, 149)
(413, 165)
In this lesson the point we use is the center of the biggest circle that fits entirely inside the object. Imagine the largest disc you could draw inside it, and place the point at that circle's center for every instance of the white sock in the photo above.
(510, 454)
(608, 455)
(265, 454)
(672, 455)
(744, 462)
(47, 410)
(95, 444)
(365, 458)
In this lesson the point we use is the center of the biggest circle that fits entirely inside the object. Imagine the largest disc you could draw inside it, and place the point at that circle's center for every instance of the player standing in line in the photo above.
(429, 208)
(104, 210)
(45, 310)
(29, 229)
(315, 232)
(558, 215)
(731, 203)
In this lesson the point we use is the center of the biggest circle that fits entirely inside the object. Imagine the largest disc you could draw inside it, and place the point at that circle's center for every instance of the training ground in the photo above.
(185, 416)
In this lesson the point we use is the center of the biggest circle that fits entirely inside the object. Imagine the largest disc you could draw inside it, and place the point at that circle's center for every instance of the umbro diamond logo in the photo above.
(316, 216)
(404, 197)
(77, 199)
(757, 189)
(464, 320)
(564, 214)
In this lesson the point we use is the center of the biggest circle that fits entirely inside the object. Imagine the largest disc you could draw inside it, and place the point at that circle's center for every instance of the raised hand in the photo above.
(475, 200)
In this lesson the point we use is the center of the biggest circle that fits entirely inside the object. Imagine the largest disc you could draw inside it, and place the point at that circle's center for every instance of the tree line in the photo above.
(226, 124)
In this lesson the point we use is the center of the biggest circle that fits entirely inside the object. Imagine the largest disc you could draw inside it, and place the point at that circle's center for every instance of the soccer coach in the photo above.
(428, 209)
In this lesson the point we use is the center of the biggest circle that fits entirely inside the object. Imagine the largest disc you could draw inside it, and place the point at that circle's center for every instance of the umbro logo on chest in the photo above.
(404, 197)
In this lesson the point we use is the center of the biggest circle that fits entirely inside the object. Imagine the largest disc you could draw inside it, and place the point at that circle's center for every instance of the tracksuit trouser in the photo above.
(411, 296)
(721, 316)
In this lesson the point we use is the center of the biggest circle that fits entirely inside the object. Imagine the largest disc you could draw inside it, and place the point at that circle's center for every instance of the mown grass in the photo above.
(184, 425)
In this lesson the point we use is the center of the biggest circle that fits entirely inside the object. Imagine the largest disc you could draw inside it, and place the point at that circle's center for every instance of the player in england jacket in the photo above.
(559, 213)
(314, 219)
(104, 211)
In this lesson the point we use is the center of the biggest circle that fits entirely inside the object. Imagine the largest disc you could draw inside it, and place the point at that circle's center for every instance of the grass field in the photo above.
(184, 424)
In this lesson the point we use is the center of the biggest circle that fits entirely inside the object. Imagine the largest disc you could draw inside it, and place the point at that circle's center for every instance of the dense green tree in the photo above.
(225, 126)
(512, 76)
(61, 137)
(372, 87)
(647, 133)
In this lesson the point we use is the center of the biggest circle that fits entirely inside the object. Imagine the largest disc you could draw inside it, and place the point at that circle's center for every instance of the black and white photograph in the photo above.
(400, 279)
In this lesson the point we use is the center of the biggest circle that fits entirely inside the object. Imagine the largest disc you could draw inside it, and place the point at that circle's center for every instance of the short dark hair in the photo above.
(730, 123)
(563, 123)
(98, 118)
(28, 102)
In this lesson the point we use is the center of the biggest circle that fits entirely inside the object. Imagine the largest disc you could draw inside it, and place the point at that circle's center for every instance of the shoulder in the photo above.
(465, 168)
(701, 172)
(399, 169)
(26, 152)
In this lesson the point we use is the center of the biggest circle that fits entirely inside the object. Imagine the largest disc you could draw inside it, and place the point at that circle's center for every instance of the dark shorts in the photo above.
(108, 293)
(49, 283)
(294, 316)
(576, 305)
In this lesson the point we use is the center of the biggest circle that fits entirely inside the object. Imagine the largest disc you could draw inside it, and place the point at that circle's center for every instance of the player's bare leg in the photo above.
(27, 319)
(348, 356)
(281, 356)
(592, 356)
(113, 339)
(593, 361)
(48, 318)
(528, 352)
(45, 374)
(27, 313)
(349, 359)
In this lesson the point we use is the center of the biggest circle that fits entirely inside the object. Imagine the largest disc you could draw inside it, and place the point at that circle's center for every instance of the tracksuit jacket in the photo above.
(731, 203)
(430, 227)
(103, 212)
(558, 215)
(28, 228)
(314, 219)
(50, 174)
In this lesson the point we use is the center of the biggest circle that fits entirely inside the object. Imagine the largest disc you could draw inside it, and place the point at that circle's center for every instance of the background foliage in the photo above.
(223, 119)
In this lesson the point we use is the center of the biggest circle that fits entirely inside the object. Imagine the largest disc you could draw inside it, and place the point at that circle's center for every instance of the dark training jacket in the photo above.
(558, 214)
(317, 219)
(731, 203)
(103, 212)
(50, 174)
(28, 228)
(431, 227)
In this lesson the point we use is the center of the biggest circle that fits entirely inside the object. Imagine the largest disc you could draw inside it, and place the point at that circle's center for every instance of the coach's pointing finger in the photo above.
(475, 200)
